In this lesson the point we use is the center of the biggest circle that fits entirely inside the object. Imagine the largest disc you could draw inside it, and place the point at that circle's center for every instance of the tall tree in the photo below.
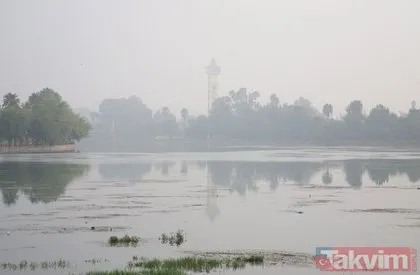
(125, 116)
(165, 123)
(327, 110)
(13, 124)
(354, 120)
(355, 109)
(274, 101)
(10, 100)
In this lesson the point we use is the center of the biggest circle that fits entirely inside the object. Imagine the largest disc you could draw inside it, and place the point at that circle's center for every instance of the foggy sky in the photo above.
(327, 51)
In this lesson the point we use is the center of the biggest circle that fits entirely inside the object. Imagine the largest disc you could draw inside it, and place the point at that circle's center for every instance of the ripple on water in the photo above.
(303, 203)
(385, 210)
(42, 229)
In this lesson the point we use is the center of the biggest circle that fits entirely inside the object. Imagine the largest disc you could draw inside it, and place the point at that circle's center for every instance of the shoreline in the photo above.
(30, 149)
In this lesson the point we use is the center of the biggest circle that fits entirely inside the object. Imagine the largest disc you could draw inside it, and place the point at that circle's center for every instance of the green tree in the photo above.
(274, 101)
(14, 124)
(125, 116)
(354, 120)
(382, 123)
(327, 110)
(241, 116)
(411, 124)
(354, 111)
(45, 119)
(165, 123)
(10, 100)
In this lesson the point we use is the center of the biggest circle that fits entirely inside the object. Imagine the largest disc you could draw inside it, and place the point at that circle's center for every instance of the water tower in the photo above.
(212, 71)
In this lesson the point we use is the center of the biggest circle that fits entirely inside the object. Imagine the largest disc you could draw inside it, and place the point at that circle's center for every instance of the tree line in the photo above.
(241, 116)
(44, 119)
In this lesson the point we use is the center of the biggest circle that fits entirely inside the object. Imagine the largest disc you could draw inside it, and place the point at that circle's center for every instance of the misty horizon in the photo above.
(328, 52)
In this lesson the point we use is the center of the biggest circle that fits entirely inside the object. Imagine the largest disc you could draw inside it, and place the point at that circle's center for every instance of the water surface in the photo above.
(244, 200)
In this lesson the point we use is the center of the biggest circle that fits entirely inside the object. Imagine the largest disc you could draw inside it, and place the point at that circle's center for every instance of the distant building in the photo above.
(212, 71)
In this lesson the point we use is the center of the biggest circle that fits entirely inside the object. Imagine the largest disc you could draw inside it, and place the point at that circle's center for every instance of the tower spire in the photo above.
(212, 71)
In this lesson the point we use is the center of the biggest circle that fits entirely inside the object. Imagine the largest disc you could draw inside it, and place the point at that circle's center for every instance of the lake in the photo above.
(284, 201)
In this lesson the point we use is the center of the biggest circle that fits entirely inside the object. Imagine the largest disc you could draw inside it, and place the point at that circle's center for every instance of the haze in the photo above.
(326, 51)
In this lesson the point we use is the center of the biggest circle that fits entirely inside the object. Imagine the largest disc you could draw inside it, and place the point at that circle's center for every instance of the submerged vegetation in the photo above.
(25, 265)
(140, 272)
(197, 264)
(44, 119)
(126, 240)
(180, 266)
(176, 238)
(194, 264)
(95, 261)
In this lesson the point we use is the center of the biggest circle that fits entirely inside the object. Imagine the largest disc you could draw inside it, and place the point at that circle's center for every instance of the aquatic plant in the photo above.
(113, 272)
(187, 263)
(96, 261)
(163, 272)
(126, 240)
(196, 264)
(177, 238)
(179, 266)
(140, 272)
(25, 265)
(254, 259)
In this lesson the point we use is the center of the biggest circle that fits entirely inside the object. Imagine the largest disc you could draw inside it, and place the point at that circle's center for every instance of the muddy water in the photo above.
(277, 202)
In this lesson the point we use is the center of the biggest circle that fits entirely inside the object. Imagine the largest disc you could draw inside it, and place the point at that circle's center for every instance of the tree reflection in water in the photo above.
(40, 182)
(45, 182)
